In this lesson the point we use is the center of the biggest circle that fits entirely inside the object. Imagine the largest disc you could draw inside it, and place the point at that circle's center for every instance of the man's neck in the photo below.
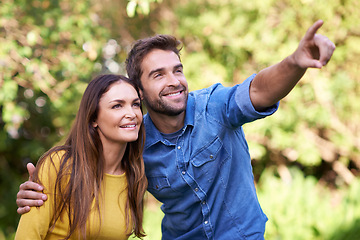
(167, 124)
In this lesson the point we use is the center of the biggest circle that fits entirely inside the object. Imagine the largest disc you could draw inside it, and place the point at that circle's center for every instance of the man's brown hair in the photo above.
(144, 46)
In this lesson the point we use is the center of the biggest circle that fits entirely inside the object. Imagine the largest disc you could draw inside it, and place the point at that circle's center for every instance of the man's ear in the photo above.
(141, 95)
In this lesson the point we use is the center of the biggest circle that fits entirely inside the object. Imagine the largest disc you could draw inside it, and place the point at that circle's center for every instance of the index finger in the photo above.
(30, 186)
(313, 29)
(326, 48)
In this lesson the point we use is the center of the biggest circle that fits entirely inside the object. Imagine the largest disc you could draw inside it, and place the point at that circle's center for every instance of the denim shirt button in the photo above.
(179, 147)
(206, 222)
(211, 156)
(203, 202)
(196, 189)
(183, 172)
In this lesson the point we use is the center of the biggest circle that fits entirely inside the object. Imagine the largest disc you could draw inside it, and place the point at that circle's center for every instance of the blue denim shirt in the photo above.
(205, 179)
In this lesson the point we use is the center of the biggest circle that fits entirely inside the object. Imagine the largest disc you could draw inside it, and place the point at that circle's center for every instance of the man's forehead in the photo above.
(158, 58)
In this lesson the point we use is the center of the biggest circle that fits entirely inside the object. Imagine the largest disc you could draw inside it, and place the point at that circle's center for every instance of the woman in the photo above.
(96, 181)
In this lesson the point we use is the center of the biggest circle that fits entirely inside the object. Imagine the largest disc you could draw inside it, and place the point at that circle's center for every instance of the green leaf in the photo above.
(131, 8)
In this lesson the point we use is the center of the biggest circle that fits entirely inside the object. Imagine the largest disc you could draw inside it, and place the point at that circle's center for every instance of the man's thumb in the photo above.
(31, 169)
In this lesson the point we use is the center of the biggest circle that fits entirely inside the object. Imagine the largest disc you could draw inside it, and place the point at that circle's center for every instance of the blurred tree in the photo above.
(49, 50)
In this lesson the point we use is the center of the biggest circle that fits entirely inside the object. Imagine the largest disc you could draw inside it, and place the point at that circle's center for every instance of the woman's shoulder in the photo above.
(50, 164)
(55, 157)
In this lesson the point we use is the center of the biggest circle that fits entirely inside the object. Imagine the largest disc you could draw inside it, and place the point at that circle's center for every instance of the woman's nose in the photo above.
(130, 113)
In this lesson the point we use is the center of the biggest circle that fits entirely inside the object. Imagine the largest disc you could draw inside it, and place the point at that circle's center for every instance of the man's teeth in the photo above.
(174, 94)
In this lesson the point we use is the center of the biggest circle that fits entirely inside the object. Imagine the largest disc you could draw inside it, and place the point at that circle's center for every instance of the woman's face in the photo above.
(119, 117)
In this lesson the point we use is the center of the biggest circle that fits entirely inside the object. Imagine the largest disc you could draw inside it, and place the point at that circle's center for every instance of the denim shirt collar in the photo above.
(154, 136)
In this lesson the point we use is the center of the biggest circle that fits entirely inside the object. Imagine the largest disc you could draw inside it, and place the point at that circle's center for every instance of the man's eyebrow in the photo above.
(155, 70)
(178, 66)
(162, 69)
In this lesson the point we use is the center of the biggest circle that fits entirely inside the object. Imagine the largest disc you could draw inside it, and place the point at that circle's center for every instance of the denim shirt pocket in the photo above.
(158, 182)
(207, 154)
(208, 162)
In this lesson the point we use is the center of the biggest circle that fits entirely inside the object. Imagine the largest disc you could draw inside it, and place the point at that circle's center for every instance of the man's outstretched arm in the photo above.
(29, 194)
(272, 84)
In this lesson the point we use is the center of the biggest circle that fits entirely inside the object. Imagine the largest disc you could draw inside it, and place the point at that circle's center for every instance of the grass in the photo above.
(152, 218)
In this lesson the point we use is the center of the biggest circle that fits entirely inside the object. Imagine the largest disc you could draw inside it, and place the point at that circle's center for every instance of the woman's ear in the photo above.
(94, 124)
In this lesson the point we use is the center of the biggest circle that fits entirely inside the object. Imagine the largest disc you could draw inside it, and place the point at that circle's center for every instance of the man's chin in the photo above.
(174, 113)
(170, 111)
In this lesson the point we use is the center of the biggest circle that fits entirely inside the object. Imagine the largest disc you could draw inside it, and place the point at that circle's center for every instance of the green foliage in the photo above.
(46, 46)
(50, 49)
(139, 6)
(302, 209)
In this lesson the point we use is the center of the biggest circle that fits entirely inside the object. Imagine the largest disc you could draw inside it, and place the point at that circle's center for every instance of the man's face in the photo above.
(165, 89)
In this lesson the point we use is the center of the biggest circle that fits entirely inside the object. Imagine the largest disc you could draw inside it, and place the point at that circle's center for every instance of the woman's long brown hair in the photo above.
(81, 169)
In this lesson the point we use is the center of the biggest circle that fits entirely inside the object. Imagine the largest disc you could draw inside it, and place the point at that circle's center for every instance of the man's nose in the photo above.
(173, 80)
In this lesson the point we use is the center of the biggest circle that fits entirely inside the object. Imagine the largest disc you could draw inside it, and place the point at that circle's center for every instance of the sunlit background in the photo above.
(306, 157)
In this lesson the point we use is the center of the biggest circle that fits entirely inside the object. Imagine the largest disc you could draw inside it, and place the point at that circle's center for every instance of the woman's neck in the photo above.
(113, 155)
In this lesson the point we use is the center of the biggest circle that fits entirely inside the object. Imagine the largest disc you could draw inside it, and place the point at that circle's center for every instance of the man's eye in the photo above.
(157, 75)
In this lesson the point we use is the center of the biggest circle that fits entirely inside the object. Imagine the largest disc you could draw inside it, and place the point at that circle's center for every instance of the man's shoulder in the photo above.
(214, 93)
(220, 86)
(206, 90)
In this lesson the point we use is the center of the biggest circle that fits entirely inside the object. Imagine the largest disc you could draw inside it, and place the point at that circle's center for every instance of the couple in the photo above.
(196, 157)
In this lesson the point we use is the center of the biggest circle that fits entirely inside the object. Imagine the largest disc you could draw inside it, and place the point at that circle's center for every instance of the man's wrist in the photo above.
(292, 64)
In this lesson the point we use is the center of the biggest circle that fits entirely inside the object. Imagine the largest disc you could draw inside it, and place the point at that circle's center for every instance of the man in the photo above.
(196, 156)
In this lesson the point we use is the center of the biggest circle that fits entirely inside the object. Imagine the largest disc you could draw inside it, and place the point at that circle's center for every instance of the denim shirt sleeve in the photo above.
(242, 98)
(232, 106)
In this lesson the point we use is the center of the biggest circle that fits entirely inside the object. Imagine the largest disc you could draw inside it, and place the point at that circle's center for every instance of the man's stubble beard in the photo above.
(161, 107)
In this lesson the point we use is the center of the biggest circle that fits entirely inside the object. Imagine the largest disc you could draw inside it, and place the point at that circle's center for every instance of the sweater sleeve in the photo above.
(36, 223)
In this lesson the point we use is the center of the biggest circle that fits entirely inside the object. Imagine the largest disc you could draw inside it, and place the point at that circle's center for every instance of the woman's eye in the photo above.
(116, 106)
(137, 104)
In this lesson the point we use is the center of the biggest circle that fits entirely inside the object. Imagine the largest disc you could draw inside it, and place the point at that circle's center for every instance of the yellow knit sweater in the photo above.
(35, 224)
